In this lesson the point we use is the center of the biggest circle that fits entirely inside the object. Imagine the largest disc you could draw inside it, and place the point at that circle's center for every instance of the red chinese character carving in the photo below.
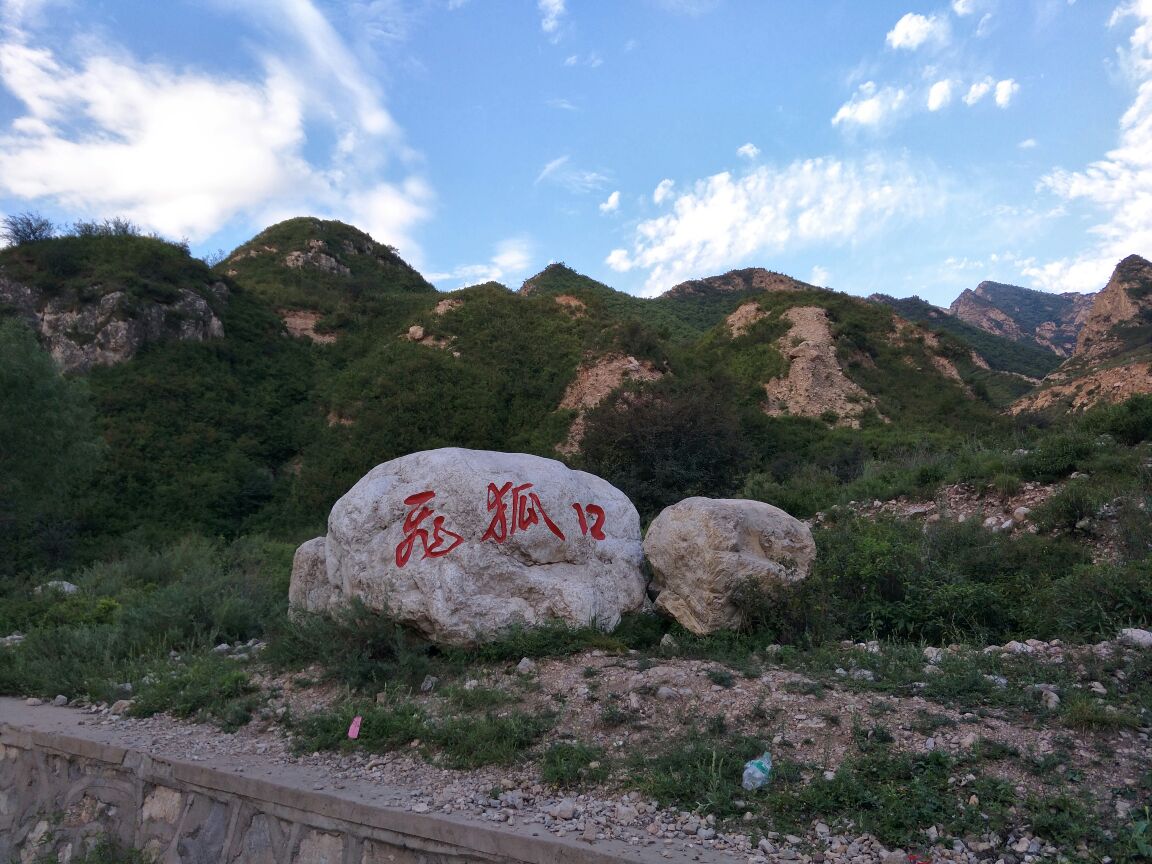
(526, 512)
(597, 513)
(439, 544)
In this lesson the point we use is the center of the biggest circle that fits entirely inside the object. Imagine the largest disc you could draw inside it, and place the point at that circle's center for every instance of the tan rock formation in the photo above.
(703, 552)
(1111, 385)
(595, 381)
(573, 305)
(743, 318)
(302, 323)
(815, 383)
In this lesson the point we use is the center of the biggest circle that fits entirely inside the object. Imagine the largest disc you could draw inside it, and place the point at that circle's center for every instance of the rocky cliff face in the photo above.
(1120, 305)
(1051, 321)
(82, 333)
(1111, 358)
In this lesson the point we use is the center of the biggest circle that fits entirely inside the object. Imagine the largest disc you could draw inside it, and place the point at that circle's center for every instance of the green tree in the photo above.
(47, 445)
(668, 443)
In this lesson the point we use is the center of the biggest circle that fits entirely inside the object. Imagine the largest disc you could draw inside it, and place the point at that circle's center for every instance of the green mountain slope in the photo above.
(1002, 354)
(265, 426)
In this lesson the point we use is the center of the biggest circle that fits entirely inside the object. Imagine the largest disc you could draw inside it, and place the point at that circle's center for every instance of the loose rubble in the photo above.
(802, 722)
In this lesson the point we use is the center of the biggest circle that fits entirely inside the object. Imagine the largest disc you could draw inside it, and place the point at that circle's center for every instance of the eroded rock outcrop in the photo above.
(1051, 321)
(815, 384)
(82, 333)
(462, 544)
(594, 382)
(1111, 361)
(703, 552)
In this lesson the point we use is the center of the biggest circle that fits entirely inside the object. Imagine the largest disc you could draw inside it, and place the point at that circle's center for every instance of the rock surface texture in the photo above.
(463, 544)
(702, 551)
(815, 383)
(1110, 363)
(82, 334)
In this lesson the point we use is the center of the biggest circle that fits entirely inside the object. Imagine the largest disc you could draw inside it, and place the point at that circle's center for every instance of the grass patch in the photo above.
(697, 772)
(471, 742)
(478, 698)
(570, 764)
(208, 688)
(1081, 711)
(382, 727)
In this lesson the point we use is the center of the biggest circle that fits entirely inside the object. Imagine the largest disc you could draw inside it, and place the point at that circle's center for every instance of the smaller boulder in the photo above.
(1134, 637)
(703, 552)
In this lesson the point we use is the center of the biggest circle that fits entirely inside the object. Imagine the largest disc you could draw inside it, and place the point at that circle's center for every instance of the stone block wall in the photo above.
(59, 794)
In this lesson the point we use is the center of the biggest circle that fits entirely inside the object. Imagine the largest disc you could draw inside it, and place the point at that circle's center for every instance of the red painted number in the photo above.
(597, 514)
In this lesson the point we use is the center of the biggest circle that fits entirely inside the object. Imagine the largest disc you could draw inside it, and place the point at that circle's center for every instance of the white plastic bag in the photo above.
(756, 772)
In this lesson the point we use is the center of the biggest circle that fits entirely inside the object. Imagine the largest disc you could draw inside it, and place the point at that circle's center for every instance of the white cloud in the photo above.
(978, 91)
(561, 172)
(870, 106)
(551, 168)
(562, 104)
(963, 7)
(914, 30)
(1006, 90)
(939, 95)
(183, 153)
(511, 258)
(592, 60)
(1119, 186)
(619, 261)
(612, 204)
(552, 13)
(1028, 144)
(819, 276)
(724, 220)
(662, 191)
(748, 151)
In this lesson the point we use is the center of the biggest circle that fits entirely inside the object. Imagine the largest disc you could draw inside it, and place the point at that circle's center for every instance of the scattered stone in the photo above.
(120, 707)
(1135, 638)
(1020, 514)
(626, 814)
(668, 643)
(862, 675)
(60, 701)
(429, 683)
(526, 666)
(33, 701)
(565, 809)
(933, 654)
(1098, 688)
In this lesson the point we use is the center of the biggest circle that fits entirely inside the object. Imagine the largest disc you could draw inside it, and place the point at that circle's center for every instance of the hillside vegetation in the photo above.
(171, 488)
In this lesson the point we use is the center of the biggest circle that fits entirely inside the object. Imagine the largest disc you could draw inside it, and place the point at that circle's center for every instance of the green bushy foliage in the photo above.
(952, 582)
(49, 448)
(666, 443)
(129, 613)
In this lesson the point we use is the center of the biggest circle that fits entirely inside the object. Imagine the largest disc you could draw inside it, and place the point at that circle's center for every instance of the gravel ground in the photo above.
(809, 722)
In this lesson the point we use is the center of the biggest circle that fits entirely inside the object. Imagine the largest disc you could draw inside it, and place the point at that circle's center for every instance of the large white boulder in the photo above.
(703, 550)
(462, 544)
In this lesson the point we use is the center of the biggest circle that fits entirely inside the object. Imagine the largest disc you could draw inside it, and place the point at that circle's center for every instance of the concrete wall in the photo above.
(59, 792)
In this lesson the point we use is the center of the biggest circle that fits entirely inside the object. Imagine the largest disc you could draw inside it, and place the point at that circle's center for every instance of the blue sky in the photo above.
(902, 147)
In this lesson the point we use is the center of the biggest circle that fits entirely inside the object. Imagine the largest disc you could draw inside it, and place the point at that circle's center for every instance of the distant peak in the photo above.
(558, 277)
(748, 279)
